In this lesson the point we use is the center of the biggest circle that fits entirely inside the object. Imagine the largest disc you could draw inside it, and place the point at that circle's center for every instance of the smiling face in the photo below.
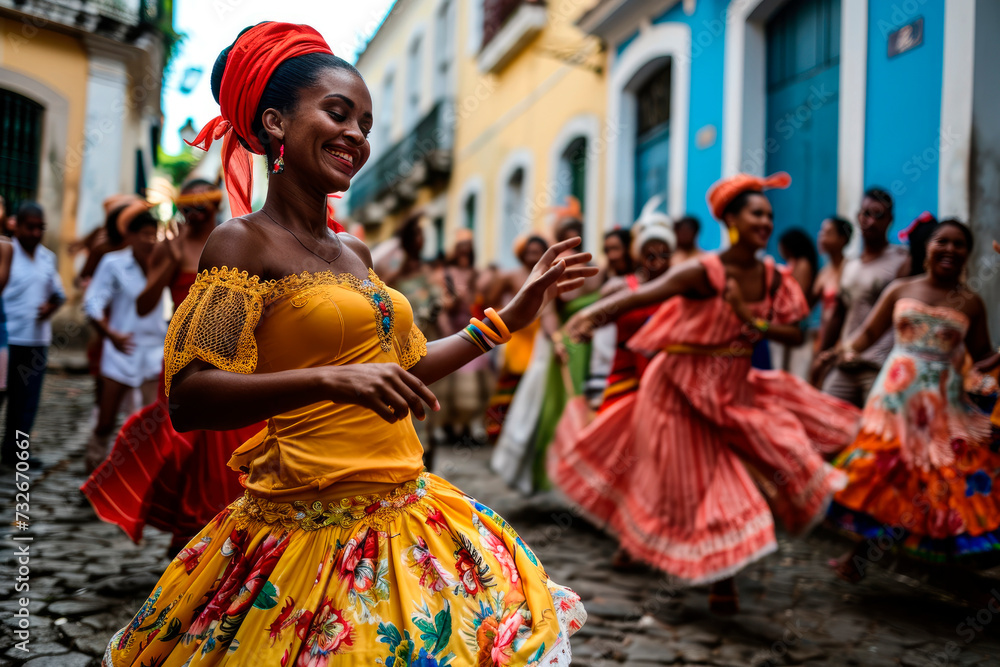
(947, 252)
(754, 222)
(325, 136)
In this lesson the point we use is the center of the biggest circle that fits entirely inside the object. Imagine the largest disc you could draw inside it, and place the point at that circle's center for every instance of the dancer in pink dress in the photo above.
(684, 489)
(572, 460)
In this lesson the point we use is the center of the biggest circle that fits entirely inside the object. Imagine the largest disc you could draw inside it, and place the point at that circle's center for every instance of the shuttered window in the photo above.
(20, 145)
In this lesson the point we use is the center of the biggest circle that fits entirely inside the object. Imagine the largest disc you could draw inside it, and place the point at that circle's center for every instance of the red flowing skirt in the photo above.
(176, 482)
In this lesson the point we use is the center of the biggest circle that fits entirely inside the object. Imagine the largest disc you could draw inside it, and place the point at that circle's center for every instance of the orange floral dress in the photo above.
(341, 550)
(921, 470)
(683, 485)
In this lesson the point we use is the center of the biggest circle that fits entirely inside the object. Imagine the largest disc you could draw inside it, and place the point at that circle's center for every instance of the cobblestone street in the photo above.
(87, 579)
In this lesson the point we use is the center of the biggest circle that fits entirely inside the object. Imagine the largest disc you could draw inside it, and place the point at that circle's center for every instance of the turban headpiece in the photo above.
(725, 191)
(252, 60)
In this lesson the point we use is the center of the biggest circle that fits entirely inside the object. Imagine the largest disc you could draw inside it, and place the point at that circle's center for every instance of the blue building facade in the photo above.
(842, 94)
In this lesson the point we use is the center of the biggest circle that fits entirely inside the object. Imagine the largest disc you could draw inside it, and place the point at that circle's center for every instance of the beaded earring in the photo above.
(279, 162)
(734, 236)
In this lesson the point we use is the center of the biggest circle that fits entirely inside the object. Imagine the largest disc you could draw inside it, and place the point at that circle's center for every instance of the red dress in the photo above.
(676, 486)
(176, 482)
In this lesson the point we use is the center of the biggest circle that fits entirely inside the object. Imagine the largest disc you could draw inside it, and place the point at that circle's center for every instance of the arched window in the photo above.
(572, 177)
(20, 147)
(414, 83)
(469, 212)
(514, 220)
(387, 110)
(445, 45)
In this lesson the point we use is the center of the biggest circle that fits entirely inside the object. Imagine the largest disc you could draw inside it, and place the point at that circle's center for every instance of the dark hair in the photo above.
(841, 226)
(452, 258)
(407, 234)
(623, 234)
(917, 242)
(144, 219)
(111, 226)
(29, 208)
(198, 183)
(534, 238)
(739, 202)
(799, 245)
(282, 90)
(961, 226)
(881, 196)
(690, 221)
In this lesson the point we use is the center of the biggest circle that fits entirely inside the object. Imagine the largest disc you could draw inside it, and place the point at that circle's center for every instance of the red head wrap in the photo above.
(249, 66)
(725, 191)
(921, 219)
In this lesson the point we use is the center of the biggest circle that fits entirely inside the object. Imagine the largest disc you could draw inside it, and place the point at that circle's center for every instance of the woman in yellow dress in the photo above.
(341, 551)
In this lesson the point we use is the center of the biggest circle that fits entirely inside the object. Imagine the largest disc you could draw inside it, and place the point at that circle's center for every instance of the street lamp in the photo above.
(190, 79)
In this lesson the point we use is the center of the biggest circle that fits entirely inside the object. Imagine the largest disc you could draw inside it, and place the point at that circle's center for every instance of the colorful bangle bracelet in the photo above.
(478, 338)
(502, 333)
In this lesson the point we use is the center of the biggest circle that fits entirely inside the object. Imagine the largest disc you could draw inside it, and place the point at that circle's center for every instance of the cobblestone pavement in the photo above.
(87, 579)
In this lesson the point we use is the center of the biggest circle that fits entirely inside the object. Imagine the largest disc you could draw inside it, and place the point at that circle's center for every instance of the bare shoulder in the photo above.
(358, 246)
(236, 243)
(901, 287)
(971, 303)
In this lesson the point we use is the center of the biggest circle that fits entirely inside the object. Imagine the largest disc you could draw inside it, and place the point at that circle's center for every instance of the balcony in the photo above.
(421, 158)
(508, 27)
(120, 20)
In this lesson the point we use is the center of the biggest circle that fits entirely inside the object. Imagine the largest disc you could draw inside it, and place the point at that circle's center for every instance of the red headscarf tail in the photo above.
(725, 191)
(251, 61)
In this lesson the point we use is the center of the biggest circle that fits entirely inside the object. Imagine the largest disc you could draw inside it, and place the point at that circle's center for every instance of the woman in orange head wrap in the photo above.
(682, 498)
(342, 550)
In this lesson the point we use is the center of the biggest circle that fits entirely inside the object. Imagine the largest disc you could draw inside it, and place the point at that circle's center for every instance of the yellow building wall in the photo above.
(524, 106)
(389, 50)
(60, 62)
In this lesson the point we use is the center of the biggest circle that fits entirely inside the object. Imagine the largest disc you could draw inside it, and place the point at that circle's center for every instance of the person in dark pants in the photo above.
(33, 293)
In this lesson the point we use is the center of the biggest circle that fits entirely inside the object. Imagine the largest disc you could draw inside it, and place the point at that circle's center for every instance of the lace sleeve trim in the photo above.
(414, 349)
(216, 323)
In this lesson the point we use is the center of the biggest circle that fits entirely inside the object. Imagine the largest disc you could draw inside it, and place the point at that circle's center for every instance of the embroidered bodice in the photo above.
(918, 396)
(241, 324)
(931, 332)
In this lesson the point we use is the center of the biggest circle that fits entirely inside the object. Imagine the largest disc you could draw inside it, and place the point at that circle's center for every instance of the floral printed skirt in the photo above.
(423, 575)
(937, 513)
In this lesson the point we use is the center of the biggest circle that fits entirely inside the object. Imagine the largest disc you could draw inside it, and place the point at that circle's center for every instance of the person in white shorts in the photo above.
(132, 355)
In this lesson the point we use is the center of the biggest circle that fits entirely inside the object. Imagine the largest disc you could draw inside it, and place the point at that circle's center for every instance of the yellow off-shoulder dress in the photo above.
(341, 551)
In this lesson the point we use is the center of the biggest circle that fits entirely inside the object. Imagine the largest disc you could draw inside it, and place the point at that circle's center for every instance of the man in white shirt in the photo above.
(33, 293)
(132, 356)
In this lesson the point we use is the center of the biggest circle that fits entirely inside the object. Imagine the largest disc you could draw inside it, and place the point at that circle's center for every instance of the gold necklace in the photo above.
(328, 261)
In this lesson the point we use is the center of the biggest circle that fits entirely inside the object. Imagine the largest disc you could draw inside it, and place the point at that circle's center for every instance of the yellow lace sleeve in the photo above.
(414, 349)
(216, 323)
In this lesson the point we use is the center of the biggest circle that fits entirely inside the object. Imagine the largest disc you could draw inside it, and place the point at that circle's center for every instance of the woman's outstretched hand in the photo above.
(387, 389)
(550, 277)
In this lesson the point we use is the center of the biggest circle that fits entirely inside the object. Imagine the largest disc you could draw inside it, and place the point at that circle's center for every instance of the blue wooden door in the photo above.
(652, 156)
(803, 100)
(652, 141)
